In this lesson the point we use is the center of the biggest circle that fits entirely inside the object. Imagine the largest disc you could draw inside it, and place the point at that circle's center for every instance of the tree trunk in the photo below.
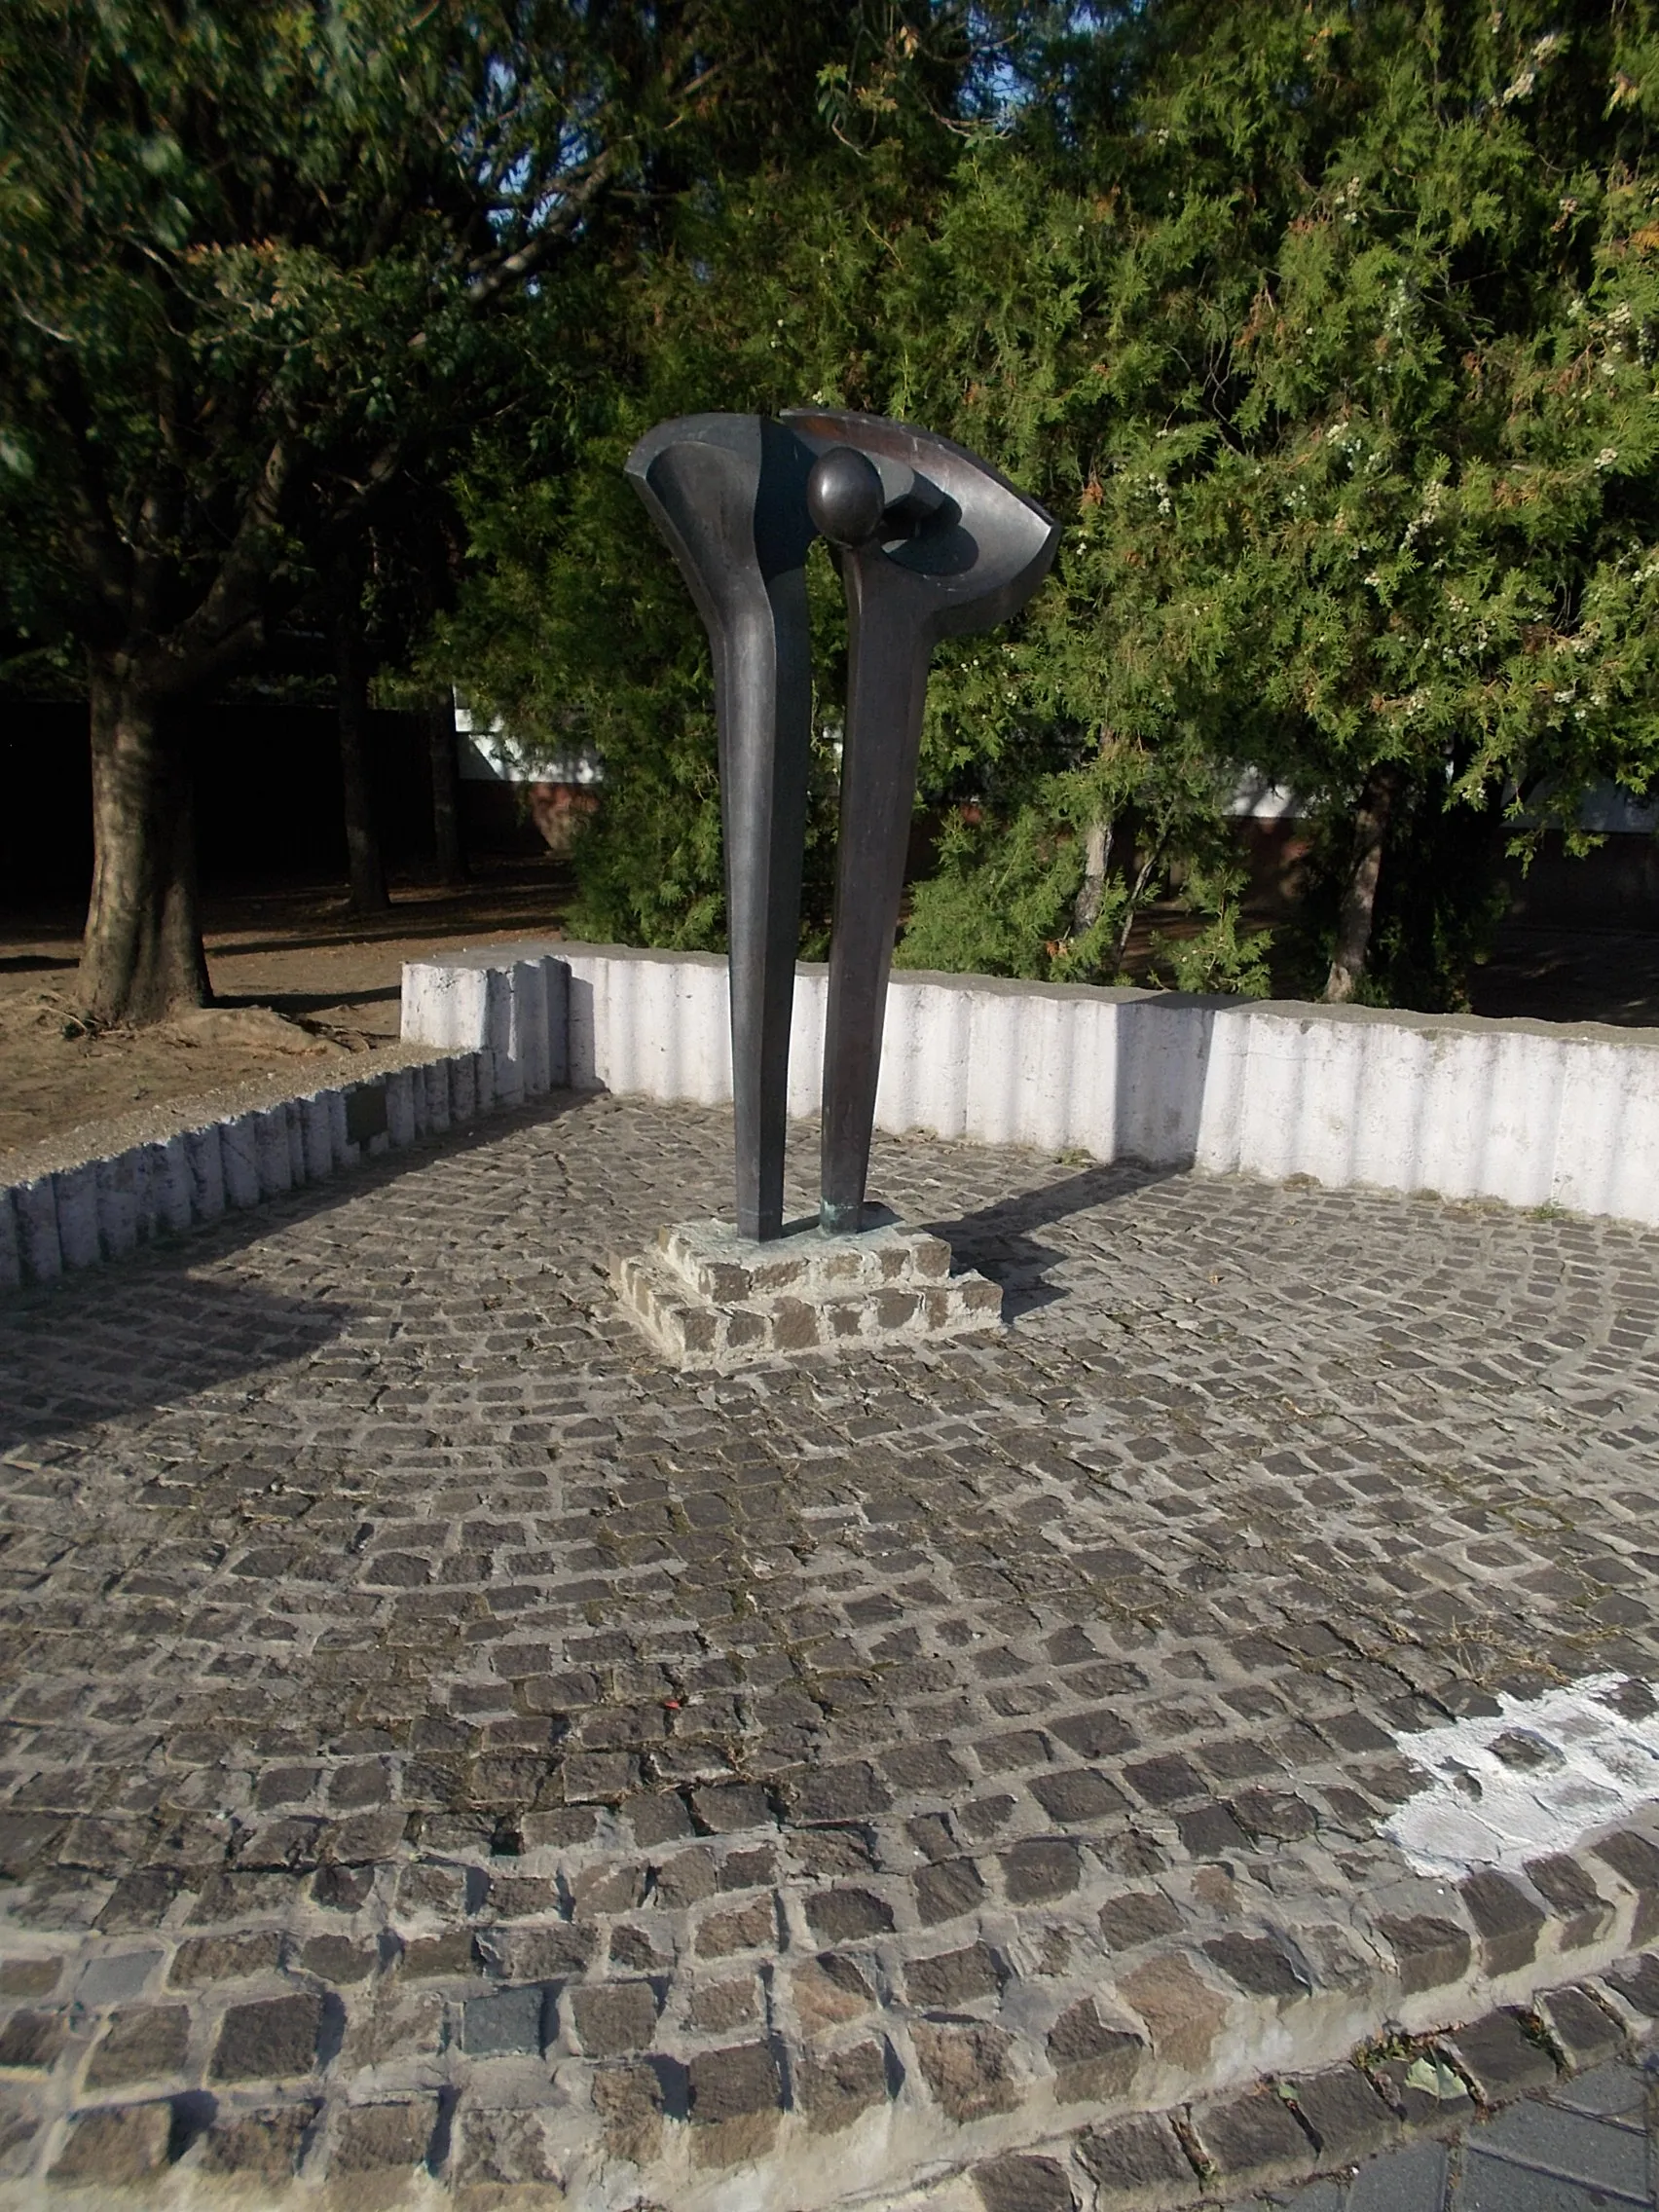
(363, 862)
(1096, 858)
(1359, 897)
(446, 792)
(141, 956)
(1137, 891)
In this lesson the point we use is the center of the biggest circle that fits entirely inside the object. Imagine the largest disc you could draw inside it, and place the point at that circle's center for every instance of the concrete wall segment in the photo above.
(170, 1210)
(205, 1164)
(1226, 1071)
(1302, 1081)
(1271, 1098)
(940, 1071)
(296, 1142)
(118, 1195)
(1518, 1136)
(1527, 1113)
(1164, 1047)
(434, 1082)
(341, 1142)
(806, 1040)
(39, 1246)
(274, 1162)
(78, 1215)
(11, 1253)
(239, 1153)
(449, 998)
(317, 1137)
(532, 1010)
(557, 985)
(493, 1031)
(400, 1107)
(1606, 1150)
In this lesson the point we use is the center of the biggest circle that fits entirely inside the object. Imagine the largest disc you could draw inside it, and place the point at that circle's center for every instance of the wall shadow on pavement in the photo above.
(998, 1239)
(135, 1334)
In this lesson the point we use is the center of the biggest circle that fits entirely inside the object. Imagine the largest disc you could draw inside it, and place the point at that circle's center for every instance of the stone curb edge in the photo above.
(105, 1209)
(1126, 2145)
(1290, 2129)
(1287, 2130)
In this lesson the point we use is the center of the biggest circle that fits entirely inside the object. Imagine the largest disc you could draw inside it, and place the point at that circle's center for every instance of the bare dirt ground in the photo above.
(300, 984)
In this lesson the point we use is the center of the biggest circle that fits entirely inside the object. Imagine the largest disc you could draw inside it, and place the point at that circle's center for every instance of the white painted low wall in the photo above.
(1530, 1113)
(103, 1209)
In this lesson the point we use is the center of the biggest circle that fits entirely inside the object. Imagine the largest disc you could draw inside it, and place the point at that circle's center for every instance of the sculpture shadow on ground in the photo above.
(1155, 1074)
(999, 1241)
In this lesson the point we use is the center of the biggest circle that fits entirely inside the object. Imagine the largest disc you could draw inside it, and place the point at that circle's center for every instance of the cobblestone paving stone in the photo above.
(440, 1743)
(1587, 2146)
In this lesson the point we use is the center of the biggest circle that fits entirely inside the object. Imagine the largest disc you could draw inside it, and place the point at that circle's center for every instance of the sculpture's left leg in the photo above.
(728, 494)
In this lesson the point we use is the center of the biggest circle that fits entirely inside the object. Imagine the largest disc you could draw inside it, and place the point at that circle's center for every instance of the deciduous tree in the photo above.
(251, 257)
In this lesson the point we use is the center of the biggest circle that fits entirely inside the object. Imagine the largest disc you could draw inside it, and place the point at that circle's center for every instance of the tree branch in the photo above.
(101, 553)
(228, 618)
(514, 267)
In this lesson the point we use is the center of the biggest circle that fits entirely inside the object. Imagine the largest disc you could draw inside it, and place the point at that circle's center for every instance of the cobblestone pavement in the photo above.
(1588, 2146)
(445, 1750)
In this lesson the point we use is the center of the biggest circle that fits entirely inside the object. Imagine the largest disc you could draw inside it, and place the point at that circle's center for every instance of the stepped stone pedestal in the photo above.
(708, 1297)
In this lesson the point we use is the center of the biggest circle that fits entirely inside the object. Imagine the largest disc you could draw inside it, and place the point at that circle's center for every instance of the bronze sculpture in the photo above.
(932, 543)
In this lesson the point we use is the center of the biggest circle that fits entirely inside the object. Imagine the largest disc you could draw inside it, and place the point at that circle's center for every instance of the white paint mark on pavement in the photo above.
(1532, 1780)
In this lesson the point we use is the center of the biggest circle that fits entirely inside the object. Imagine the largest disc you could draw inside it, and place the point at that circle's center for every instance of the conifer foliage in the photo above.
(1330, 333)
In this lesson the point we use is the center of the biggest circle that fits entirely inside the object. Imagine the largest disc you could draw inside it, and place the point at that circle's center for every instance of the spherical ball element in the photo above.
(845, 496)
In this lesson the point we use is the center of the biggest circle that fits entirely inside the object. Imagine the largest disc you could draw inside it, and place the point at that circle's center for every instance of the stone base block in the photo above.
(708, 1297)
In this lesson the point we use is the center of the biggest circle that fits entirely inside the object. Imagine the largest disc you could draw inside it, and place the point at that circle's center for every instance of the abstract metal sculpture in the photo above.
(932, 543)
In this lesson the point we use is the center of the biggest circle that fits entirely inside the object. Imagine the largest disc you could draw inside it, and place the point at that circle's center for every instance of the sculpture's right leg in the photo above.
(727, 491)
(887, 662)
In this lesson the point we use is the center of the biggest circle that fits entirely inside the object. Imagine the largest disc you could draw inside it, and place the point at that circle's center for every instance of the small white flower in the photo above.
(1606, 457)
